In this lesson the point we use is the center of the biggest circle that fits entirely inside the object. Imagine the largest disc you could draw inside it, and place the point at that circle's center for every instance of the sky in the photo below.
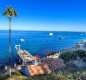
(45, 15)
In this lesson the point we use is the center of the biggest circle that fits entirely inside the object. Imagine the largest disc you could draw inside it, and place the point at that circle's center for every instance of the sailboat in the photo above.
(60, 37)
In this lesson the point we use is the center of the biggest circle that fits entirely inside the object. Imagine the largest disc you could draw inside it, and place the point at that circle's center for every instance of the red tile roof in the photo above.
(38, 69)
(47, 66)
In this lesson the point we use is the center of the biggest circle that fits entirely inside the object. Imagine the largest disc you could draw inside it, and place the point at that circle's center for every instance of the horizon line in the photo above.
(42, 30)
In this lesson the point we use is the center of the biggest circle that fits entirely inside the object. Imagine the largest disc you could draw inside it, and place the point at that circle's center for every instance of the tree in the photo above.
(10, 12)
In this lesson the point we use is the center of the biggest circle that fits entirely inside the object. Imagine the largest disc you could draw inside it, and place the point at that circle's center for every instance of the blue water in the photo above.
(37, 42)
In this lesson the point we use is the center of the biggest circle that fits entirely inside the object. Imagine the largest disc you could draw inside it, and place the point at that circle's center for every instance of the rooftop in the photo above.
(38, 69)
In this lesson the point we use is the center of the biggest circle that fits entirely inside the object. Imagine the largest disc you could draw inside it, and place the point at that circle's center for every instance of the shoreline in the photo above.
(79, 45)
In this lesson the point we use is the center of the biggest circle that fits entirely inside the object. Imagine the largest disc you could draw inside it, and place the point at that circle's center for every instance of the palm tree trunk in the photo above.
(9, 43)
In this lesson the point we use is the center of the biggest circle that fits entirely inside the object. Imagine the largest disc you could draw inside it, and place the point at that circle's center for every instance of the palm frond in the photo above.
(10, 12)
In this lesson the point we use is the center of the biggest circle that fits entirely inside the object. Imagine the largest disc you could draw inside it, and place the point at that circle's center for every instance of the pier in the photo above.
(25, 58)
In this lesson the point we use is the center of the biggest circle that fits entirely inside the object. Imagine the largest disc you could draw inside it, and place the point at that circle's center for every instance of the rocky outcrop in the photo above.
(54, 63)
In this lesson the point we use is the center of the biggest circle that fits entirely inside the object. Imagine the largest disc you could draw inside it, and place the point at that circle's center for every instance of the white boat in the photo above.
(50, 34)
(22, 39)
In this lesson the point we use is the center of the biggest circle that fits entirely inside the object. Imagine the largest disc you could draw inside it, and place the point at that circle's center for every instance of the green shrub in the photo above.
(80, 53)
(67, 55)
(16, 73)
(72, 55)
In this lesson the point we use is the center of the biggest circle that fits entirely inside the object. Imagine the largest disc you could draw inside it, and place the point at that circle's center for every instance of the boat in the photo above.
(50, 34)
(60, 37)
(22, 40)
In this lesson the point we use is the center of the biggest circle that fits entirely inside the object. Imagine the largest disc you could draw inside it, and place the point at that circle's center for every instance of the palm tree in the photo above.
(9, 12)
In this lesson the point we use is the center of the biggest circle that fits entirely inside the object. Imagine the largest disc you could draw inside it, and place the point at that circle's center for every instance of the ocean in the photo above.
(37, 42)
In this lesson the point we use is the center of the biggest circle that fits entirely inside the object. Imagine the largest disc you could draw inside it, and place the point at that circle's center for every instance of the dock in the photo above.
(25, 58)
